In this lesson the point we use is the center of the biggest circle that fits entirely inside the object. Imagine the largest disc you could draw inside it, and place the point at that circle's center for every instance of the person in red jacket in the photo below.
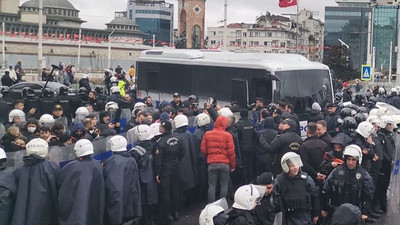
(217, 145)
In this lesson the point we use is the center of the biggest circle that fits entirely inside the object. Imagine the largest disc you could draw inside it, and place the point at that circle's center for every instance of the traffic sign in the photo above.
(366, 72)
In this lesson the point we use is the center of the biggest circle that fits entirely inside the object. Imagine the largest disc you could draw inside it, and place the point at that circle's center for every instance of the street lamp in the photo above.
(109, 49)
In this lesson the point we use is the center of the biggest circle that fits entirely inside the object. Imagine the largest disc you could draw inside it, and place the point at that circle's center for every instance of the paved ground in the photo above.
(190, 216)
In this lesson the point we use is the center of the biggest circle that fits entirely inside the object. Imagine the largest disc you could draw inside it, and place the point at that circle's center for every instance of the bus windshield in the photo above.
(304, 87)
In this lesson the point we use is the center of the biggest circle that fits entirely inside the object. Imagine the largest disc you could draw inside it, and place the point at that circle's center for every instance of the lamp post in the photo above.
(40, 34)
(3, 63)
(109, 49)
(225, 23)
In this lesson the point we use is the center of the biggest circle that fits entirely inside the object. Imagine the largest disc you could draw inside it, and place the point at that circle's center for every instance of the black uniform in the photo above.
(387, 141)
(8, 190)
(84, 82)
(36, 201)
(348, 186)
(4, 109)
(46, 105)
(265, 157)
(202, 161)
(288, 141)
(299, 198)
(32, 102)
(81, 193)
(266, 211)
(123, 200)
(167, 156)
(240, 217)
(143, 153)
(67, 103)
(246, 135)
(331, 121)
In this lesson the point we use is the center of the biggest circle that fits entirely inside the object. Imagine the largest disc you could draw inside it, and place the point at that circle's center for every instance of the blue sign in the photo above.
(366, 72)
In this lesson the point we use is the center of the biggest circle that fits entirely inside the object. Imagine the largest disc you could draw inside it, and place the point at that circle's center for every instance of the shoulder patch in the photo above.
(304, 175)
(157, 152)
(358, 176)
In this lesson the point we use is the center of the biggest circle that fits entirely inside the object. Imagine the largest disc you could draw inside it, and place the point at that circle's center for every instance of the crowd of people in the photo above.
(159, 165)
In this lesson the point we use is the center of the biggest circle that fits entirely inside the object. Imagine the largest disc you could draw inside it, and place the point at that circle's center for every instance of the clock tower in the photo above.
(191, 16)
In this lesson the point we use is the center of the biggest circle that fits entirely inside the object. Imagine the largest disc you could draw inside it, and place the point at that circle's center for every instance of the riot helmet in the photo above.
(345, 112)
(28, 92)
(48, 93)
(83, 91)
(349, 124)
(359, 117)
(63, 90)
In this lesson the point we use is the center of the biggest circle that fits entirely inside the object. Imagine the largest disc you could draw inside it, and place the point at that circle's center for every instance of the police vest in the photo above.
(347, 186)
(294, 193)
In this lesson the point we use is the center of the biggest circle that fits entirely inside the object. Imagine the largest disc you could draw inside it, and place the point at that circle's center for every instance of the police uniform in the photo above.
(348, 186)
(167, 156)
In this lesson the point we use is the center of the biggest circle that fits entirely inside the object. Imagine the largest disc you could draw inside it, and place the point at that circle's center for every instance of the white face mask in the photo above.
(31, 129)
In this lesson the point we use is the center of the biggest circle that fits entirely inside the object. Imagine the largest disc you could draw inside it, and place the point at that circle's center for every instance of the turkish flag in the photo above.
(287, 3)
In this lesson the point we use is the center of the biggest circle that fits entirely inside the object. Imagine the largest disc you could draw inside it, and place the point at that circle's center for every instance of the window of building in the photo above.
(214, 33)
(256, 43)
(213, 42)
(232, 43)
(283, 44)
(244, 34)
(244, 43)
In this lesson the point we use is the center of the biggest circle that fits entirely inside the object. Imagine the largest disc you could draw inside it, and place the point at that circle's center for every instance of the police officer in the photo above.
(214, 213)
(31, 104)
(349, 183)
(287, 140)
(36, 201)
(7, 191)
(269, 205)
(81, 188)
(143, 153)
(47, 102)
(83, 96)
(385, 135)
(298, 192)
(66, 102)
(247, 137)
(121, 175)
(5, 92)
(167, 156)
(246, 199)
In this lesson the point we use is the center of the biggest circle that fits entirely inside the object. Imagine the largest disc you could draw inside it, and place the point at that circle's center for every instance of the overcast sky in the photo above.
(99, 12)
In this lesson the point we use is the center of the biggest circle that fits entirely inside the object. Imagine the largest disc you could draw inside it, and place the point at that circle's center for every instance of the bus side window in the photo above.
(152, 81)
(239, 92)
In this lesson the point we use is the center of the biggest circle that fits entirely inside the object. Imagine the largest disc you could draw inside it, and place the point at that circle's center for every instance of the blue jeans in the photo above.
(218, 172)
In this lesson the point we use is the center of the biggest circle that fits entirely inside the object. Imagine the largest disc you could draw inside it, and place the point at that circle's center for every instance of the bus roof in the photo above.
(270, 62)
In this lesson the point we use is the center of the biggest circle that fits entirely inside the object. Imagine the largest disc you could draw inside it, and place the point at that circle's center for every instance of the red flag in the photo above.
(287, 3)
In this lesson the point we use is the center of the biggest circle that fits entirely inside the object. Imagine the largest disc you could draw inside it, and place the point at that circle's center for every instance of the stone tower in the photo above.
(191, 16)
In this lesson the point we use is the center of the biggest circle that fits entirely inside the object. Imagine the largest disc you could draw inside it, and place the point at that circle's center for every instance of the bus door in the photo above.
(240, 90)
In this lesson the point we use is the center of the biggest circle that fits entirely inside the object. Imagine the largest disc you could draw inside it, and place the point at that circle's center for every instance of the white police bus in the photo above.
(233, 76)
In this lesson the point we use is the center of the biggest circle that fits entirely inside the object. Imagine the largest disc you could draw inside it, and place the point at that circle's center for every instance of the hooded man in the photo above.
(36, 200)
(81, 188)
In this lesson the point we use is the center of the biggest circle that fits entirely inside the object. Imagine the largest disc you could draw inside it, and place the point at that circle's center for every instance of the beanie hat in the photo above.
(316, 107)
(164, 116)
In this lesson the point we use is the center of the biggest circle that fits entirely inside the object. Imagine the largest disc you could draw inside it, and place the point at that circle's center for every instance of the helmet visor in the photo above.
(294, 161)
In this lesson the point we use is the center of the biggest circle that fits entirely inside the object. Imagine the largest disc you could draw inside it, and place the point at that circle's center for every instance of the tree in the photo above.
(338, 60)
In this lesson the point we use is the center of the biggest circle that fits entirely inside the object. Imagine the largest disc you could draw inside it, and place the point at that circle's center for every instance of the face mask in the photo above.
(31, 129)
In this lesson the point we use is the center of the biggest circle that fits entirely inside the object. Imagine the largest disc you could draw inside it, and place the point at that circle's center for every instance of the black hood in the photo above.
(268, 123)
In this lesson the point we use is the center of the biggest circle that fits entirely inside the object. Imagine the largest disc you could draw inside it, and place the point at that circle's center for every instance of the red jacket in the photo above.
(218, 145)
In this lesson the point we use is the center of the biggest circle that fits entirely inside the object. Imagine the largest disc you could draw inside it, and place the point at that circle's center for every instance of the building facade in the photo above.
(191, 23)
(273, 34)
(386, 22)
(349, 23)
(153, 17)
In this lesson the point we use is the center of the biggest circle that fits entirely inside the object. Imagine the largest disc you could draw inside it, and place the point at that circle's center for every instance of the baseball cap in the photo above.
(265, 179)
(57, 107)
(290, 122)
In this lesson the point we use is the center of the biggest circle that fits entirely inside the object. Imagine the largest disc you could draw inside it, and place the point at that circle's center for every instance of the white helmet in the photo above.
(155, 129)
(211, 210)
(113, 79)
(2, 154)
(47, 120)
(82, 111)
(143, 132)
(374, 119)
(140, 105)
(114, 89)
(246, 196)
(38, 147)
(181, 120)
(394, 90)
(293, 158)
(353, 151)
(225, 112)
(202, 119)
(83, 147)
(385, 120)
(111, 106)
(381, 90)
(16, 113)
(118, 143)
(378, 112)
(365, 129)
